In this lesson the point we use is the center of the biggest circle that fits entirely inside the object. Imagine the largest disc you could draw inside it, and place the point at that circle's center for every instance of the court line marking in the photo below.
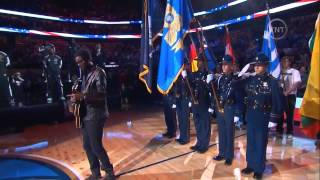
(168, 159)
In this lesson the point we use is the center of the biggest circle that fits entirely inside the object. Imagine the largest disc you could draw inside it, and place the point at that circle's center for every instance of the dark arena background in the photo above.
(40, 39)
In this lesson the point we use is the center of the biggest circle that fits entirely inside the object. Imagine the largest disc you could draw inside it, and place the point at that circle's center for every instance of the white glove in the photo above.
(236, 119)
(209, 78)
(272, 124)
(246, 75)
(210, 110)
(174, 106)
(184, 73)
(190, 104)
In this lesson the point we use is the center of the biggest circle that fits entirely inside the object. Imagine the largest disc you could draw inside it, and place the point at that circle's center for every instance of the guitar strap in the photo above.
(90, 80)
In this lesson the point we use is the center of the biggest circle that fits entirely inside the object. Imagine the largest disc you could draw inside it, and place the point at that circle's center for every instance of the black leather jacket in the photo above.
(94, 86)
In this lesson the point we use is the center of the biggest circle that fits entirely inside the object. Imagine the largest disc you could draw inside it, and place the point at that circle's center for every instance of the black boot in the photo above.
(228, 162)
(109, 173)
(218, 158)
(247, 170)
(202, 150)
(194, 147)
(180, 141)
(257, 175)
(166, 134)
(170, 136)
(93, 177)
(109, 176)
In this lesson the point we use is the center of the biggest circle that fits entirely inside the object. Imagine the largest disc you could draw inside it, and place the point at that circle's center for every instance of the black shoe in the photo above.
(194, 147)
(257, 175)
(165, 134)
(228, 162)
(109, 173)
(170, 136)
(218, 158)
(180, 141)
(109, 177)
(201, 151)
(247, 170)
(93, 177)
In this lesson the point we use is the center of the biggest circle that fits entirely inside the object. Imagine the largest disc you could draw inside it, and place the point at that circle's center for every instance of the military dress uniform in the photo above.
(5, 89)
(52, 65)
(17, 88)
(199, 110)
(230, 101)
(73, 68)
(169, 115)
(182, 100)
(100, 59)
(263, 101)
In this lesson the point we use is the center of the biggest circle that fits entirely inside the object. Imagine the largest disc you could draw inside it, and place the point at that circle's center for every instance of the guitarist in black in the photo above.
(93, 97)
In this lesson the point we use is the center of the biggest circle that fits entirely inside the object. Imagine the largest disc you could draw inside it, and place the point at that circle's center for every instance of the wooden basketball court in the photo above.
(138, 151)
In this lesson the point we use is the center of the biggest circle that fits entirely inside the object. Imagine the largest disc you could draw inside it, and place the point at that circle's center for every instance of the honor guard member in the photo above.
(17, 87)
(263, 110)
(73, 69)
(5, 89)
(200, 105)
(229, 101)
(182, 108)
(99, 58)
(52, 66)
(169, 115)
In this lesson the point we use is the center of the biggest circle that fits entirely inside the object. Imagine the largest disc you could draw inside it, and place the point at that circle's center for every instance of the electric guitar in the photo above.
(77, 108)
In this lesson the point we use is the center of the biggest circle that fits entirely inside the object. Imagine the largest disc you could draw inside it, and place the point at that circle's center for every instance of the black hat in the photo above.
(227, 59)
(261, 59)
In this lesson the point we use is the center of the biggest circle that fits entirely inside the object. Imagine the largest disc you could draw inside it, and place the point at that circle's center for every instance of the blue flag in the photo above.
(210, 57)
(176, 23)
(145, 74)
(270, 50)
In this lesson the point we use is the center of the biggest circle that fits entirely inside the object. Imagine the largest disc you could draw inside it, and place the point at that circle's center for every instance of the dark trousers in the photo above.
(257, 139)
(5, 95)
(54, 89)
(183, 113)
(92, 132)
(226, 132)
(169, 116)
(202, 123)
(289, 106)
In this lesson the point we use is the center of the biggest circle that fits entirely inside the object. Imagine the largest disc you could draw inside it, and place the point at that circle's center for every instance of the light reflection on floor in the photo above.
(137, 142)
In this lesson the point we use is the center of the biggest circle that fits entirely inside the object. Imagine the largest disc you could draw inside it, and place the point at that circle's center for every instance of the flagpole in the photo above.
(155, 37)
(220, 109)
(268, 8)
(188, 84)
(282, 71)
